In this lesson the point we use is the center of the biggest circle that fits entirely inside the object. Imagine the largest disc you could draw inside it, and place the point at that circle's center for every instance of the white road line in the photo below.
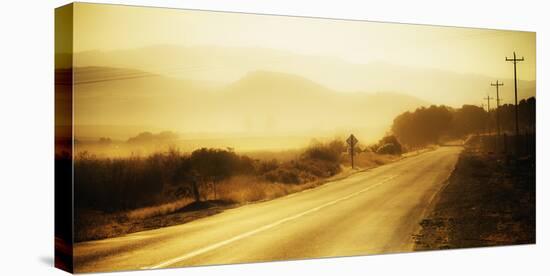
(261, 229)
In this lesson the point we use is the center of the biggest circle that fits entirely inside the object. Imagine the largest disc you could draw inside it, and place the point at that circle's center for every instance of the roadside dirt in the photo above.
(489, 201)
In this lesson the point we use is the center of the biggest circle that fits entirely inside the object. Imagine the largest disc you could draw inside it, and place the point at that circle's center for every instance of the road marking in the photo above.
(263, 228)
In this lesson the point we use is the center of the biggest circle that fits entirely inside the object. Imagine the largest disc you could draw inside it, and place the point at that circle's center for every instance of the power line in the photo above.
(167, 71)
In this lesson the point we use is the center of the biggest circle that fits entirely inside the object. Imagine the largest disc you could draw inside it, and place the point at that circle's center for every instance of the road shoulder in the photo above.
(487, 202)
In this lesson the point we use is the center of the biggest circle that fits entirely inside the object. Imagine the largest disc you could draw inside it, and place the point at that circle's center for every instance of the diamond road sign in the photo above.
(352, 141)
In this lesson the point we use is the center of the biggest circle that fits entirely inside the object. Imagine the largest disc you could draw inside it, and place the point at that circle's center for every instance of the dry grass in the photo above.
(245, 189)
(234, 191)
(365, 160)
(93, 225)
(280, 155)
(159, 210)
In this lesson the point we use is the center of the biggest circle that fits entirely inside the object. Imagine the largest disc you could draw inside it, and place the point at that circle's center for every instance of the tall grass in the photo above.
(116, 184)
(243, 189)
(120, 195)
(158, 210)
(368, 159)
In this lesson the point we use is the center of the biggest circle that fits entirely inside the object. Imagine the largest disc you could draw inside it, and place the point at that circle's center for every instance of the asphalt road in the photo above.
(371, 212)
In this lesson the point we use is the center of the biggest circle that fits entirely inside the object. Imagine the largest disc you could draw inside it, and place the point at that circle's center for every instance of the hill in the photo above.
(262, 103)
(229, 64)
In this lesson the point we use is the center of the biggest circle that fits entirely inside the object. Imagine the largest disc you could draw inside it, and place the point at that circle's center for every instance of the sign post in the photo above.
(352, 141)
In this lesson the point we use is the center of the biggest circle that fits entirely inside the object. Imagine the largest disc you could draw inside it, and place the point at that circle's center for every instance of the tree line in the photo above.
(429, 125)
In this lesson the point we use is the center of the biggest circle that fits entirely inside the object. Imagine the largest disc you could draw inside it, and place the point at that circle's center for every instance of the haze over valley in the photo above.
(270, 83)
(262, 110)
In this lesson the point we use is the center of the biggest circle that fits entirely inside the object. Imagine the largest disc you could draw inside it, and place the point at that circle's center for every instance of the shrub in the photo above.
(389, 145)
(115, 184)
(318, 161)
(388, 149)
(330, 152)
(112, 184)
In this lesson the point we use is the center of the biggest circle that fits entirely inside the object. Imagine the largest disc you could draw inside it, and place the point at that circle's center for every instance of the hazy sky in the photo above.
(463, 50)
(274, 76)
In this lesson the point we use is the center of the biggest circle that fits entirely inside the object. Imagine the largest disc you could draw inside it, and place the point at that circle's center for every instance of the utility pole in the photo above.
(483, 107)
(515, 61)
(498, 106)
(488, 113)
(488, 103)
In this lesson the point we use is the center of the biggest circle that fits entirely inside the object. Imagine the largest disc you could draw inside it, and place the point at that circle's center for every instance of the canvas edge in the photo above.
(64, 139)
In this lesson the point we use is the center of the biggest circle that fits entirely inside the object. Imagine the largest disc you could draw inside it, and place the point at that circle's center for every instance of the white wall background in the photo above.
(27, 118)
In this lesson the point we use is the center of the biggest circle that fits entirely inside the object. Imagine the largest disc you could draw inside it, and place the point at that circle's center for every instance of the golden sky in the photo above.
(462, 50)
(227, 74)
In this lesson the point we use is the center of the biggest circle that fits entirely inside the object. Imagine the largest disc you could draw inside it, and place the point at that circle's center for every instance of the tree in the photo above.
(428, 125)
(423, 126)
(213, 165)
(389, 145)
(468, 119)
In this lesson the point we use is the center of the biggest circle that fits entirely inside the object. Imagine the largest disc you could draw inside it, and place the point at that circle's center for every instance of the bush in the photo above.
(388, 149)
(318, 161)
(112, 184)
(330, 152)
(116, 184)
(388, 145)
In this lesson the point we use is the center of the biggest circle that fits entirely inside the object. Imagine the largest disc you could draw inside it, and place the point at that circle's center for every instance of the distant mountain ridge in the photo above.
(227, 65)
(91, 74)
(260, 103)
